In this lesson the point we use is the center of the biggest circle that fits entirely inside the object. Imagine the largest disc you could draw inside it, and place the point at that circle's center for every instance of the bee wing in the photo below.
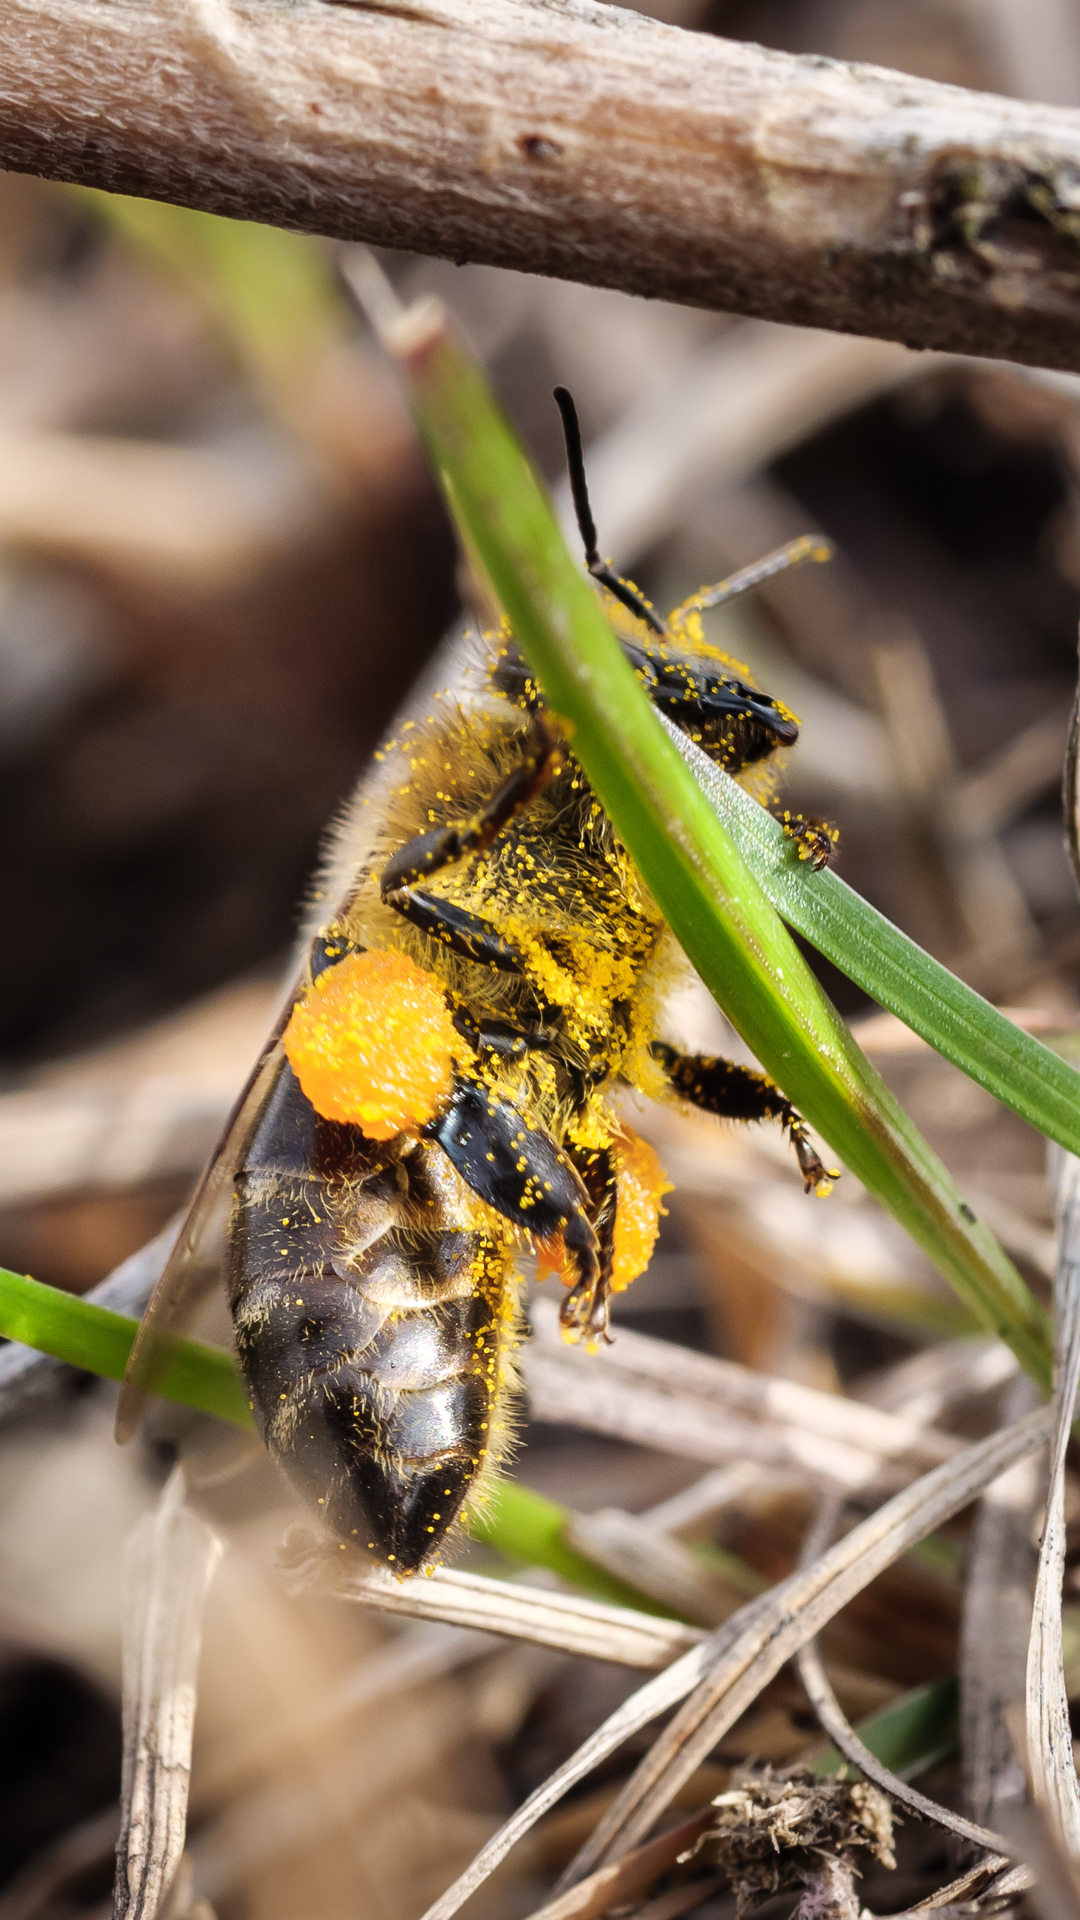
(187, 1279)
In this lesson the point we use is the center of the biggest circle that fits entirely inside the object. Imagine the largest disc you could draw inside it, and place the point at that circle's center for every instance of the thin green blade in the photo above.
(691, 863)
(1016, 1068)
(100, 1341)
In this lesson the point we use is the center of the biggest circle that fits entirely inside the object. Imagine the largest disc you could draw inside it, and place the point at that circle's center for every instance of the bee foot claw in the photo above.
(817, 1177)
(816, 840)
(585, 1316)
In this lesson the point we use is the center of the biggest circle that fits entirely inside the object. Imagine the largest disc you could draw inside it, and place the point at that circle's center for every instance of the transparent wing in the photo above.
(189, 1276)
(194, 1267)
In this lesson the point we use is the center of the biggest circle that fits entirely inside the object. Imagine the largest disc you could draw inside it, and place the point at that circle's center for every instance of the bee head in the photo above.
(734, 723)
(740, 726)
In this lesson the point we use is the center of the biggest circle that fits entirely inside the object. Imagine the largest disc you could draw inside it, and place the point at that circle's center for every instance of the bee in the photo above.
(442, 1091)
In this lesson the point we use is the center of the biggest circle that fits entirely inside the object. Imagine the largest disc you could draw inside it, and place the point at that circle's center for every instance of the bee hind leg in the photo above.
(586, 1310)
(739, 1093)
(521, 1173)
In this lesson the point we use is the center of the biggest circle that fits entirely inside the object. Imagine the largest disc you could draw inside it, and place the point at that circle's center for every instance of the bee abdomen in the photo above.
(386, 1436)
(380, 1416)
(372, 1349)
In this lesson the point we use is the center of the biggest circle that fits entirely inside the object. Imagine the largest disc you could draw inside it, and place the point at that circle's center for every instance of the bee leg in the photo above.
(586, 1310)
(816, 840)
(474, 938)
(739, 1093)
(468, 934)
(429, 853)
(521, 1172)
(497, 1036)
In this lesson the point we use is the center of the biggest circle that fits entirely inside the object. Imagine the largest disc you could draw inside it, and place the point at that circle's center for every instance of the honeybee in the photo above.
(441, 1093)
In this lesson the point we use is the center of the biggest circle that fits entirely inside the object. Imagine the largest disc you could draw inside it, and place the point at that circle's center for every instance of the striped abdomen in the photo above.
(369, 1324)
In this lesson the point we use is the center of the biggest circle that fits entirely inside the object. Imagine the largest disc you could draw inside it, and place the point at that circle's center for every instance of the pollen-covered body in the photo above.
(490, 982)
(372, 1289)
(596, 957)
(484, 977)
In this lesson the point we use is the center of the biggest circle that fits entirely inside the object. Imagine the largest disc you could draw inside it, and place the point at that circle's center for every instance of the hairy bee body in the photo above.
(369, 1317)
(483, 976)
(370, 1287)
(375, 1231)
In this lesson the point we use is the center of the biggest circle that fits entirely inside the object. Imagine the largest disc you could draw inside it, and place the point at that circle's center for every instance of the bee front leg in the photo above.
(465, 933)
(429, 853)
(816, 840)
(521, 1172)
(740, 1093)
(469, 934)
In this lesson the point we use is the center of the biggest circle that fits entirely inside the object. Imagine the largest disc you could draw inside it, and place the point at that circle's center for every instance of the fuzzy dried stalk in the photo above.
(168, 1566)
(997, 1626)
(658, 1395)
(1049, 1733)
(784, 1620)
(574, 139)
(471, 1600)
(729, 1669)
(833, 1719)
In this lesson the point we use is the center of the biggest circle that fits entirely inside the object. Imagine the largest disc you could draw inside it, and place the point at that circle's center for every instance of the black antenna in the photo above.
(628, 595)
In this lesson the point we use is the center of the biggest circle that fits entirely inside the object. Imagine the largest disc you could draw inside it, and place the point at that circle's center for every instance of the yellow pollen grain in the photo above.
(640, 1183)
(372, 1043)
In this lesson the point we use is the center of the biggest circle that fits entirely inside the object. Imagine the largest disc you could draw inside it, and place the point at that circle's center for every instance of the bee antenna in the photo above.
(628, 595)
(575, 467)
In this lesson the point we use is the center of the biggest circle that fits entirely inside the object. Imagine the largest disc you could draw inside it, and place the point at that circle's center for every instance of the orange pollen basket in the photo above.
(640, 1184)
(372, 1043)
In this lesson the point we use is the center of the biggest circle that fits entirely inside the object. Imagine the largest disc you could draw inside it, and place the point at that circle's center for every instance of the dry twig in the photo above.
(1049, 1733)
(573, 139)
(587, 1627)
(633, 1550)
(686, 1403)
(835, 1722)
(997, 1626)
(732, 1666)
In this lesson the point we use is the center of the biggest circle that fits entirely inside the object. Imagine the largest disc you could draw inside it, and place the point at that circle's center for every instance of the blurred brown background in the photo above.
(222, 567)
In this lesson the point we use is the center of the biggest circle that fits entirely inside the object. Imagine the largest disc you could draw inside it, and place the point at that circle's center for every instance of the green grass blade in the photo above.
(1016, 1068)
(272, 294)
(98, 1340)
(909, 1735)
(696, 873)
(520, 1524)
